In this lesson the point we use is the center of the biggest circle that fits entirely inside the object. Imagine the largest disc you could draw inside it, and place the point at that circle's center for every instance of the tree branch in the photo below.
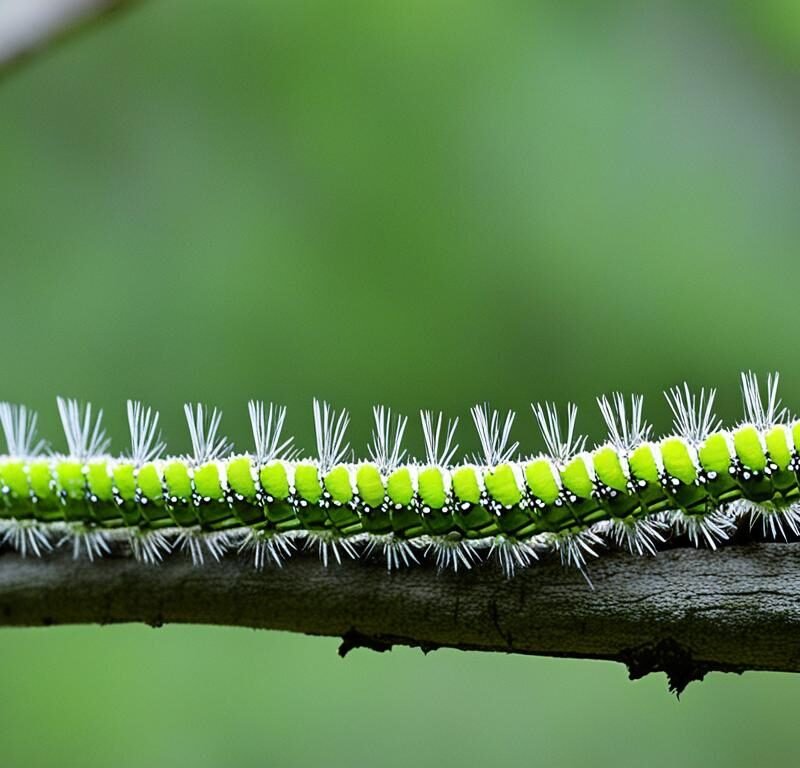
(29, 26)
(685, 612)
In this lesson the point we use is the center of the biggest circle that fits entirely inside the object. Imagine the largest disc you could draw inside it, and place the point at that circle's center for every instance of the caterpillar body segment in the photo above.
(633, 491)
(522, 498)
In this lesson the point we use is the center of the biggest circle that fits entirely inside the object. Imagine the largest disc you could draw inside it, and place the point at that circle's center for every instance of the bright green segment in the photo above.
(465, 485)
(306, 480)
(747, 443)
(370, 485)
(99, 481)
(207, 482)
(102, 479)
(575, 477)
(399, 488)
(539, 476)
(609, 469)
(177, 480)
(677, 460)
(778, 447)
(240, 477)
(502, 486)
(643, 465)
(714, 455)
(431, 487)
(41, 480)
(150, 483)
(337, 483)
(274, 480)
(796, 435)
(71, 481)
(12, 475)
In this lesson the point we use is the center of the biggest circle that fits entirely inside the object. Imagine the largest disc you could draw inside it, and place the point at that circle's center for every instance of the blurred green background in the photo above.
(424, 204)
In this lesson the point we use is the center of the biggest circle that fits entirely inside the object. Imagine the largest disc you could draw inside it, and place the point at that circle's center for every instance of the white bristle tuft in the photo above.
(203, 428)
(267, 546)
(84, 439)
(452, 553)
(330, 428)
(693, 415)
(19, 428)
(396, 551)
(561, 446)
(433, 436)
(758, 413)
(25, 537)
(710, 529)
(493, 438)
(94, 542)
(776, 521)
(574, 548)
(512, 554)
(639, 537)
(328, 544)
(148, 546)
(267, 429)
(195, 542)
(146, 442)
(386, 446)
(626, 430)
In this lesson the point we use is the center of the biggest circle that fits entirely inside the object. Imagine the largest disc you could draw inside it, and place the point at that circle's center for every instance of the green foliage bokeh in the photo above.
(424, 204)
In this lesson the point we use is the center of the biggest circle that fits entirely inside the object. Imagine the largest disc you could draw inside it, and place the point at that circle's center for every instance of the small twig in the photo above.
(28, 27)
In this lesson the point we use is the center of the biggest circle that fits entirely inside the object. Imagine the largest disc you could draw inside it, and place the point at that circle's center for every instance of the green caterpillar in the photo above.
(630, 491)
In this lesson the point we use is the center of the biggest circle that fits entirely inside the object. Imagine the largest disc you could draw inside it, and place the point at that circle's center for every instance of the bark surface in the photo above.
(685, 612)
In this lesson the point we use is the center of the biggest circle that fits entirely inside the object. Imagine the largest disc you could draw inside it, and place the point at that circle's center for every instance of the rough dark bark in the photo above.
(685, 612)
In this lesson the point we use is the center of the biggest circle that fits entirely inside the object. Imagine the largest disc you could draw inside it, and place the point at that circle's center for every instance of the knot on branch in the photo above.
(672, 658)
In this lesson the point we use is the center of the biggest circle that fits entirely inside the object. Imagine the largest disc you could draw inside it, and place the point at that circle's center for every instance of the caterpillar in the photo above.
(698, 482)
